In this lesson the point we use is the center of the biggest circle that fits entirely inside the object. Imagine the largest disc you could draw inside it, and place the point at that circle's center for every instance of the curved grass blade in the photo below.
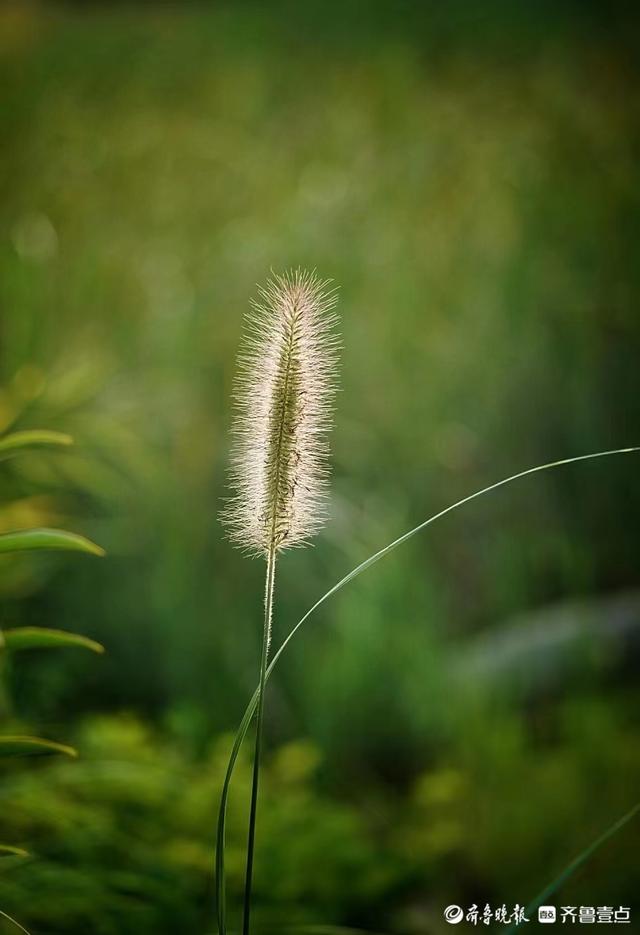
(45, 637)
(9, 918)
(18, 442)
(33, 746)
(31, 539)
(251, 707)
(8, 850)
(575, 864)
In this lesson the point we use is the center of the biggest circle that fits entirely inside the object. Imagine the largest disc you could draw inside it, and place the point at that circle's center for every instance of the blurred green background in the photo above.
(460, 721)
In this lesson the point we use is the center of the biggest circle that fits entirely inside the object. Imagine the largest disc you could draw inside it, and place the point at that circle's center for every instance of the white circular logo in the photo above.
(453, 914)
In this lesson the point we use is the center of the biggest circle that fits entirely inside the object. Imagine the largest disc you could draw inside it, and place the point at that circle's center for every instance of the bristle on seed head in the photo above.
(284, 394)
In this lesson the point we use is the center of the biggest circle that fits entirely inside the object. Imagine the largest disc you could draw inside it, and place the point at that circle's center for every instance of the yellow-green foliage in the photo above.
(121, 839)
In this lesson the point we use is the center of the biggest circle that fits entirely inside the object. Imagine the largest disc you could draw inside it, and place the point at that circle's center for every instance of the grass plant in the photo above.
(283, 397)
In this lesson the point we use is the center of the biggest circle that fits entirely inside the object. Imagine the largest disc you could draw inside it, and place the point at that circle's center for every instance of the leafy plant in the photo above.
(23, 638)
(122, 849)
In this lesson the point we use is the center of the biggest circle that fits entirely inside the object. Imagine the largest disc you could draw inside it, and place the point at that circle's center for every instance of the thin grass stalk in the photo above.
(251, 707)
(14, 922)
(268, 611)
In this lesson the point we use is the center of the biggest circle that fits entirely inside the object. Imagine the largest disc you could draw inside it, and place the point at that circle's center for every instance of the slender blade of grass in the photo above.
(17, 442)
(44, 638)
(575, 864)
(251, 707)
(28, 540)
(33, 746)
(8, 850)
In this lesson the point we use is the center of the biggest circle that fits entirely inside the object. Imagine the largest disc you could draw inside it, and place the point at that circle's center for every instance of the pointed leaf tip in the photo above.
(33, 746)
(17, 442)
(27, 540)
(8, 850)
(45, 637)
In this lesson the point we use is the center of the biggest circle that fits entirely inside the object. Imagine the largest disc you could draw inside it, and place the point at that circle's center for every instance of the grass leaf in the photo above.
(33, 746)
(17, 442)
(33, 539)
(8, 850)
(251, 707)
(575, 864)
(43, 637)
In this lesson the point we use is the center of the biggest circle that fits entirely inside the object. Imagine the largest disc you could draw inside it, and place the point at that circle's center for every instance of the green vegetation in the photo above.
(19, 638)
(121, 838)
(470, 180)
(29, 637)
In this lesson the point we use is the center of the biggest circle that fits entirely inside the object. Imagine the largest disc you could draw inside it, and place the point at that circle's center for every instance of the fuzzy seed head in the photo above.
(283, 396)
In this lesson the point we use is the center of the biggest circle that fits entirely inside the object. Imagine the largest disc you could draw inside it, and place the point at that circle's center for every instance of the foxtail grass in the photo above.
(283, 396)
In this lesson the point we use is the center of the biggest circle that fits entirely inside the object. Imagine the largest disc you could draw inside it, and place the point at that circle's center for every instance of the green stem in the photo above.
(268, 609)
